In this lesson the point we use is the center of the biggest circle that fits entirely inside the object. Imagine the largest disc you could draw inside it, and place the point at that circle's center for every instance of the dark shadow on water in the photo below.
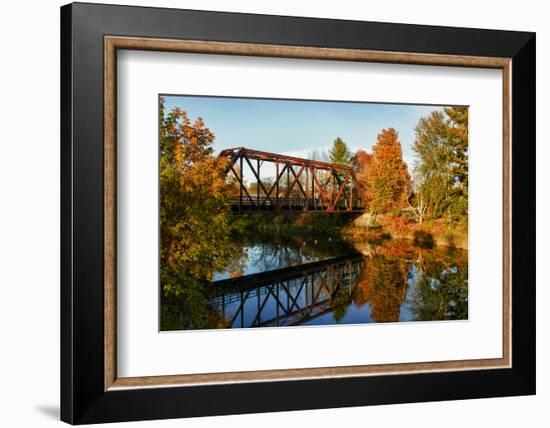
(51, 411)
(423, 240)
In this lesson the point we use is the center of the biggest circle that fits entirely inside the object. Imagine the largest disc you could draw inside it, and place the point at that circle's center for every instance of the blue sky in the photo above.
(298, 127)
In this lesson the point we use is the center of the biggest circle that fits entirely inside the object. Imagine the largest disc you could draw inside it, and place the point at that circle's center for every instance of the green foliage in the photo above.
(340, 154)
(441, 171)
(296, 224)
(441, 291)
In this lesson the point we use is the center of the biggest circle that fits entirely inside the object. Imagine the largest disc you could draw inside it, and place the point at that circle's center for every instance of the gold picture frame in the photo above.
(114, 43)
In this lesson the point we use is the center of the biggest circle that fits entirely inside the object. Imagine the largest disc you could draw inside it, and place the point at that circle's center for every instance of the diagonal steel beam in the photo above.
(257, 178)
(321, 189)
(278, 178)
(342, 186)
(291, 186)
(243, 186)
(298, 181)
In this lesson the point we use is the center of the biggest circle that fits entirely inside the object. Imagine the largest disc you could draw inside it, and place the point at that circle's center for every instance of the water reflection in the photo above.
(268, 254)
(320, 282)
(290, 296)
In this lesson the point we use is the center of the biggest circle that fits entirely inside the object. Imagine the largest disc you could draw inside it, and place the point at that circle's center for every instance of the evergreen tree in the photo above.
(339, 153)
(458, 140)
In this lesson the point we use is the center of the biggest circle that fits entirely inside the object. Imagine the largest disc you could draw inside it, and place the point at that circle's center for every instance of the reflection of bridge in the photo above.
(290, 296)
(299, 184)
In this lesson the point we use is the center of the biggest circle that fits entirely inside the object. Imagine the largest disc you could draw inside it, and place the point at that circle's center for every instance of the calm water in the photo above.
(323, 281)
(270, 256)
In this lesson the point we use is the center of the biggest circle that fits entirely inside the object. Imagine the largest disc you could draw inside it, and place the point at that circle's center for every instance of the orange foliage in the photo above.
(404, 225)
(383, 285)
(399, 225)
(439, 280)
(362, 161)
(383, 177)
(395, 249)
(194, 214)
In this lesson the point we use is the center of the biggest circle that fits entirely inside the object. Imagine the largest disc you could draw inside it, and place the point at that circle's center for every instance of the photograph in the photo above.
(292, 212)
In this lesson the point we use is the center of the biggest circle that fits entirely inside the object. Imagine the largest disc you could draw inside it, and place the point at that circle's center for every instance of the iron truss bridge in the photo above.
(298, 185)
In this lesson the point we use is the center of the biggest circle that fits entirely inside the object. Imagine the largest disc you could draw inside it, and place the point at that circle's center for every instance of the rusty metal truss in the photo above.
(298, 184)
(288, 299)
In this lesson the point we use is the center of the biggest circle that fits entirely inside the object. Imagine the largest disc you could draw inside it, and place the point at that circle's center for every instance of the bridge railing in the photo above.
(263, 203)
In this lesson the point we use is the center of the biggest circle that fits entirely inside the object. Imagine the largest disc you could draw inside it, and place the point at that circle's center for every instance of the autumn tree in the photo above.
(386, 179)
(194, 213)
(361, 162)
(441, 148)
(383, 285)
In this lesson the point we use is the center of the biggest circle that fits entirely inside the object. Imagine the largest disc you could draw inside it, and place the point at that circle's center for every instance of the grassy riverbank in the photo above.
(427, 234)
(301, 224)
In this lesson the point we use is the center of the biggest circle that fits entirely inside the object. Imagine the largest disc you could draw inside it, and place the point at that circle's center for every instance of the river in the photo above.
(326, 280)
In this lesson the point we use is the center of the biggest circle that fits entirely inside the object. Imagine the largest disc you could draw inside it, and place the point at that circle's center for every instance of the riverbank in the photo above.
(345, 225)
(289, 223)
(422, 239)
(427, 234)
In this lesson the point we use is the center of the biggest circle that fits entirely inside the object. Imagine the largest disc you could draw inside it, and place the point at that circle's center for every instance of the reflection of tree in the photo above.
(339, 303)
(439, 277)
(270, 251)
(273, 256)
(189, 310)
(383, 285)
(441, 291)
(235, 267)
(396, 249)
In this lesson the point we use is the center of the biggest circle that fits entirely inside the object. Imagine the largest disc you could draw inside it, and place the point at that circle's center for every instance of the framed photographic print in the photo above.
(265, 213)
